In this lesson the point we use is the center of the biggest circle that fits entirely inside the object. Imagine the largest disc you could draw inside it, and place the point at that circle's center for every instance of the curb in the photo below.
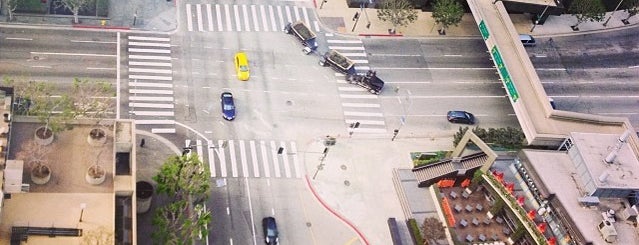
(380, 35)
(359, 233)
(102, 27)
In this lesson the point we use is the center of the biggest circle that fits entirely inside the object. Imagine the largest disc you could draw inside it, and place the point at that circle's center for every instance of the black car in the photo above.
(270, 231)
(460, 117)
(228, 106)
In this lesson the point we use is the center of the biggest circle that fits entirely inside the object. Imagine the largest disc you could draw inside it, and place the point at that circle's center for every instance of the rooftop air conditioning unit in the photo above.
(608, 231)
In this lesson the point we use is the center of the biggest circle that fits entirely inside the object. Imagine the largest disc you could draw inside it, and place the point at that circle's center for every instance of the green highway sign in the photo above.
(483, 29)
(501, 67)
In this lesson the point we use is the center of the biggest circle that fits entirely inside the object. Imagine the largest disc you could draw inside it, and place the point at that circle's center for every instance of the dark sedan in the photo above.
(228, 106)
(270, 231)
(460, 117)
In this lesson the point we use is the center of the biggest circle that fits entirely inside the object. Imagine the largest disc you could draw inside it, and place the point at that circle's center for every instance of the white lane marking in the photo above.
(247, 24)
(287, 169)
(353, 54)
(550, 69)
(227, 12)
(351, 89)
(288, 14)
(329, 34)
(19, 38)
(298, 168)
(151, 105)
(150, 91)
(363, 114)
(317, 27)
(209, 16)
(281, 17)
(149, 57)
(359, 96)
(364, 105)
(452, 55)
(365, 122)
(360, 61)
(264, 19)
(198, 149)
(231, 147)
(46, 67)
(157, 85)
(163, 130)
(245, 171)
(397, 55)
(149, 50)
(90, 41)
(267, 171)
(211, 156)
(153, 113)
(222, 158)
(343, 41)
(435, 68)
(306, 19)
(632, 67)
(256, 169)
(72, 54)
(345, 48)
(272, 15)
(200, 23)
(154, 122)
(189, 21)
(218, 15)
(141, 77)
(146, 44)
(238, 26)
(370, 130)
(149, 98)
(157, 39)
(144, 70)
(276, 162)
(141, 63)
(254, 14)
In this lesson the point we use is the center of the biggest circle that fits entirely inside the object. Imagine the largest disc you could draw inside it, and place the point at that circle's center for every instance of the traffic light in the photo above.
(356, 16)
(395, 132)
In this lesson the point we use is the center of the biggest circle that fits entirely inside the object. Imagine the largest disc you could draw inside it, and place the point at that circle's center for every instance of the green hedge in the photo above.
(415, 232)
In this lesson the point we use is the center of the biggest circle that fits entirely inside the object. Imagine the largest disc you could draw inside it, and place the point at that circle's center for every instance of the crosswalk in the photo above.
(358, 104)
(249, 158)
(245, 17)
(150, 84)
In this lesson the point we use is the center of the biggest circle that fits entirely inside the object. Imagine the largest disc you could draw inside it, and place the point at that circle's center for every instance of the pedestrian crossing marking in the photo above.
(245, 170)
(163, 130)
(298, 168)
(219, 17)
(143, 38)
(147, 44)
(236, 11)
(228, 16)
(363, 114)
(279, 13)
(200, 24)
(221, 156)
(267, 171)
(189, 21)
(147, 77)
(148, 50)
(199, 150)
(263, 12)
(151, 105)
(209, 16)
(287, 168)
(231, 146)
(150, 91)
(276, 164)
(145, 70)
(142, 63)
(149, 57)
(272, 14)
(365, 122)
(150, 98)
(211, 157)
(256, 169)
(297, 14)
(246, 20)
(154, 122)
(153, 113)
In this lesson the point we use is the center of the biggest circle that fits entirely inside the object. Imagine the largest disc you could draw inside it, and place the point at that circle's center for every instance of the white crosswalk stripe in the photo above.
(249, 158)
(150, 84)
(245, 17)
(359, 106)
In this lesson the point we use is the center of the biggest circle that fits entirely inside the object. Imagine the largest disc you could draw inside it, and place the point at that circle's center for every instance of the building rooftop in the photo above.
(558, 174)
(622, 173)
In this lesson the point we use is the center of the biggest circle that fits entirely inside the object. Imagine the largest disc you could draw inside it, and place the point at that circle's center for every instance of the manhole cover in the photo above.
(343, 167)
(288, 102)
(347, 183)
(36, 57)
(308, 224)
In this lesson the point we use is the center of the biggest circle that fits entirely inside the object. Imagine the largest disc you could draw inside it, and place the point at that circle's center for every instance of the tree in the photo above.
(447, 13)
(509, 137)
(185, 181)
(632, 8)
(35, 155)
(587, 10)
(75, 6)
(433, 230)
(41, 100)
(397, 12)
(93, 100)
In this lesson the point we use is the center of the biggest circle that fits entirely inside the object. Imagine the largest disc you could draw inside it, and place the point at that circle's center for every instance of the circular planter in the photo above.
(97, 137)
(40, 174)
(42, 136)
(144, 195)
(95, 175)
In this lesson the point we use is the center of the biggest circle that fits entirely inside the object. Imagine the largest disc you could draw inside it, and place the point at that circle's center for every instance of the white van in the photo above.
(527, 40)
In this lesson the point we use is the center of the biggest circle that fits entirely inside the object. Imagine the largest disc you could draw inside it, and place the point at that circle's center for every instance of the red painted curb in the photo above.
(102, 27)
(315, 3)
(359, 233)
(381, 35)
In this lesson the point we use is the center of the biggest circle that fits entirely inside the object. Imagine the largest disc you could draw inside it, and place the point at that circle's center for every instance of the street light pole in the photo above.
(539, 17)
(82, 207)
(613, 13)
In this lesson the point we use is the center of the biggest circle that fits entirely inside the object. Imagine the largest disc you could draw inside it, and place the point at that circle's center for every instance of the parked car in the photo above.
(228, 106)
(242, 66)
(460, 117)
(527, 40)
(270, 231)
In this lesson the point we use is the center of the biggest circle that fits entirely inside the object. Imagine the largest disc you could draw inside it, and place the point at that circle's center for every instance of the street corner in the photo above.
(152, 151)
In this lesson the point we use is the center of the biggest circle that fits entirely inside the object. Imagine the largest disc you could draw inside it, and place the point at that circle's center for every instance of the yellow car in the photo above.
(241, 66)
